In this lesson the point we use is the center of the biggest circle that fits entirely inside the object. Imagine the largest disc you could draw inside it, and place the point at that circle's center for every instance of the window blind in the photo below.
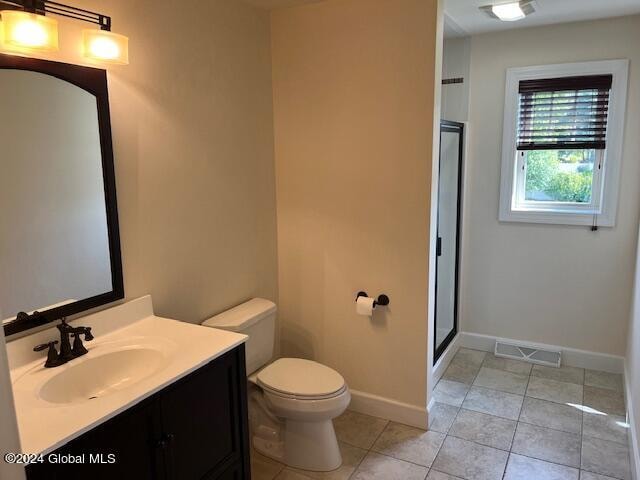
(564, 113)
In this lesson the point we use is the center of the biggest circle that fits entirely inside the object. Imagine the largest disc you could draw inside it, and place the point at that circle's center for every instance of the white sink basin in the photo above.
(134, 355)
(110, 367)
(102, 375)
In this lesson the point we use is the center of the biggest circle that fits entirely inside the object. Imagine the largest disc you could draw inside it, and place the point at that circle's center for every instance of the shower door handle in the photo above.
(439, 247)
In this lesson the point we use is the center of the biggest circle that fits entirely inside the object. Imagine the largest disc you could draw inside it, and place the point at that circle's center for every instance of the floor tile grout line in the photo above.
(508, 452)
(556, 380)
(544, 426)
(515, 453)
(471, 384)
(478, 443)
(459, 407)
(549, 428)
(446, 435)
(624, 444)
(401, 459)
(546, 461)
(596, 473)
(380, 434)
(357, 467)
(515, 430)
(370, 449)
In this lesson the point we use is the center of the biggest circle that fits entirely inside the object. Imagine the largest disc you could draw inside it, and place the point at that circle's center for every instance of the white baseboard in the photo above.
(634, 450)
(570, 356)
(445, 359)
(389, 409)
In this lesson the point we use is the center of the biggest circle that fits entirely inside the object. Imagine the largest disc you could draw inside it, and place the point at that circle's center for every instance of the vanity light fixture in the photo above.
(509, 11)
(29, 31)
(105, 46)
(26, 27)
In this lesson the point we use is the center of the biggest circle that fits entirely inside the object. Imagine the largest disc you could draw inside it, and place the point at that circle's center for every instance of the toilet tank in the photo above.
(255, 318)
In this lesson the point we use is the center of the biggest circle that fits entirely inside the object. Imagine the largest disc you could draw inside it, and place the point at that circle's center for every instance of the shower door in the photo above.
(448, 242)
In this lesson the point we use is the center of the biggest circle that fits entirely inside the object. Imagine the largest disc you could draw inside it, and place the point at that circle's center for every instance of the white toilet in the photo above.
(292, 401)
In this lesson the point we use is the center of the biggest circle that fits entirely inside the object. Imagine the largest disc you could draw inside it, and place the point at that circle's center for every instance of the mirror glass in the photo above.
(54, 241)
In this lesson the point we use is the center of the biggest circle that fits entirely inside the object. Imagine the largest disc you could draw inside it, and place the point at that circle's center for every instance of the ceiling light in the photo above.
(511, 11)
(105, 46)
(508, 12)
(29, 31)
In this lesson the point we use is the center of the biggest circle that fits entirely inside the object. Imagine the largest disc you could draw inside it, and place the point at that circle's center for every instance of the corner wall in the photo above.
(353, 105)
(632, 374)
(551, 284)
(9, 439)
(456, 63)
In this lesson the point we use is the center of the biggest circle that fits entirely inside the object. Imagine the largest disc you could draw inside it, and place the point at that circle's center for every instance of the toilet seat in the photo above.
(301, 379)
(303, 397)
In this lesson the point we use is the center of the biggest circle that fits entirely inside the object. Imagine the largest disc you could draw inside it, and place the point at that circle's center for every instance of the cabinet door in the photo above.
(204, 417)
(128, 440)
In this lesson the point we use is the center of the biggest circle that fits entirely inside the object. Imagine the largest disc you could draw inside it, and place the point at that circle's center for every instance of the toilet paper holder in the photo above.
(382, 300)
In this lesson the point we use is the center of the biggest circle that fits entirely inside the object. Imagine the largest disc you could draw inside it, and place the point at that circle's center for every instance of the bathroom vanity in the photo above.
(153, 398)
(192, 429)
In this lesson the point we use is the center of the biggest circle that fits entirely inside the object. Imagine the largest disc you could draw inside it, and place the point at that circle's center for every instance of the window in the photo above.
(562, 143)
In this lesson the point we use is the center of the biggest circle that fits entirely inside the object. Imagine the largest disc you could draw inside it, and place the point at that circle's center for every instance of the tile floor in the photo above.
(493, 419)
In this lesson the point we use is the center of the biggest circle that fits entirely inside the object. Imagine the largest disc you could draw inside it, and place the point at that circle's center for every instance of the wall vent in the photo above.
(528, 353)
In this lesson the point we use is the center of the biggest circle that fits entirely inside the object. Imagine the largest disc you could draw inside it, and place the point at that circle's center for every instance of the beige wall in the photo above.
(271, 4)
(193, 138)
(559, 285)
(353, 104)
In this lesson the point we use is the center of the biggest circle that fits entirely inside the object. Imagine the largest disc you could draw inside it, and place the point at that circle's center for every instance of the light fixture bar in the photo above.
(55, 8)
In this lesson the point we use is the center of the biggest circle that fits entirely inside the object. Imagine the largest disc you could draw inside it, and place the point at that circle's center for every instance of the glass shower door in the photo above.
(447, 248)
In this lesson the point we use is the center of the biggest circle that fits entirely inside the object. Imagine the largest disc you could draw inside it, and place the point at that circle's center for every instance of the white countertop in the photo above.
(46, 426)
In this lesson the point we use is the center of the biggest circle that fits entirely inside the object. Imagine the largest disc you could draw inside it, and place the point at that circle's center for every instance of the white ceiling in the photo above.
(272, 4)
(463, 17)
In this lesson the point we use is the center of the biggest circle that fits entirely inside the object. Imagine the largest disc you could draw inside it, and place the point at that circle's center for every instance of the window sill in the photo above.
(555, 218)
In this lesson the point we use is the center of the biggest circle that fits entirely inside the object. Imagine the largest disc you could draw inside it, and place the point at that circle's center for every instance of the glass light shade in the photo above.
(508, 12)
(24, 30)
(105, 46)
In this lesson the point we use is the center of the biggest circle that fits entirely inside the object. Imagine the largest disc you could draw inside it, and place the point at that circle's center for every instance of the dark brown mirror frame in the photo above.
(94, 81)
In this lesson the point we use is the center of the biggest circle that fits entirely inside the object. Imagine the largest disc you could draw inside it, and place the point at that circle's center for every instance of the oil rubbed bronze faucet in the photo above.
(67, 352)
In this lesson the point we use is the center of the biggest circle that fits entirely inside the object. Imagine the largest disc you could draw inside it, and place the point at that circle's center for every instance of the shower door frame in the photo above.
(438, 350)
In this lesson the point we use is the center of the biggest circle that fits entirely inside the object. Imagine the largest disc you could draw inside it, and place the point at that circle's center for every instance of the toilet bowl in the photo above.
(305, 396)
(293, 401)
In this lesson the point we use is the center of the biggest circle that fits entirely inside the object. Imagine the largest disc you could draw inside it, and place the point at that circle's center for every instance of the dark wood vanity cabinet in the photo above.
(193, 429)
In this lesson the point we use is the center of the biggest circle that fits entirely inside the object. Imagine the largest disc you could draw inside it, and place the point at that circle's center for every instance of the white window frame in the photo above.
(565, 213)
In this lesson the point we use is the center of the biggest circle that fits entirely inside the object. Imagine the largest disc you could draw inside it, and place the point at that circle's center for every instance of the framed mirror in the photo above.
(59, 237)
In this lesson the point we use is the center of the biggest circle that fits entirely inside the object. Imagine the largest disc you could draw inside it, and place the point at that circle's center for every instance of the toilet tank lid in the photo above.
(241, 317)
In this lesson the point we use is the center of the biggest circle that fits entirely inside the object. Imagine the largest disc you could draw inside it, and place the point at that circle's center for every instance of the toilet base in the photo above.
(311, 446)
(298, 433)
